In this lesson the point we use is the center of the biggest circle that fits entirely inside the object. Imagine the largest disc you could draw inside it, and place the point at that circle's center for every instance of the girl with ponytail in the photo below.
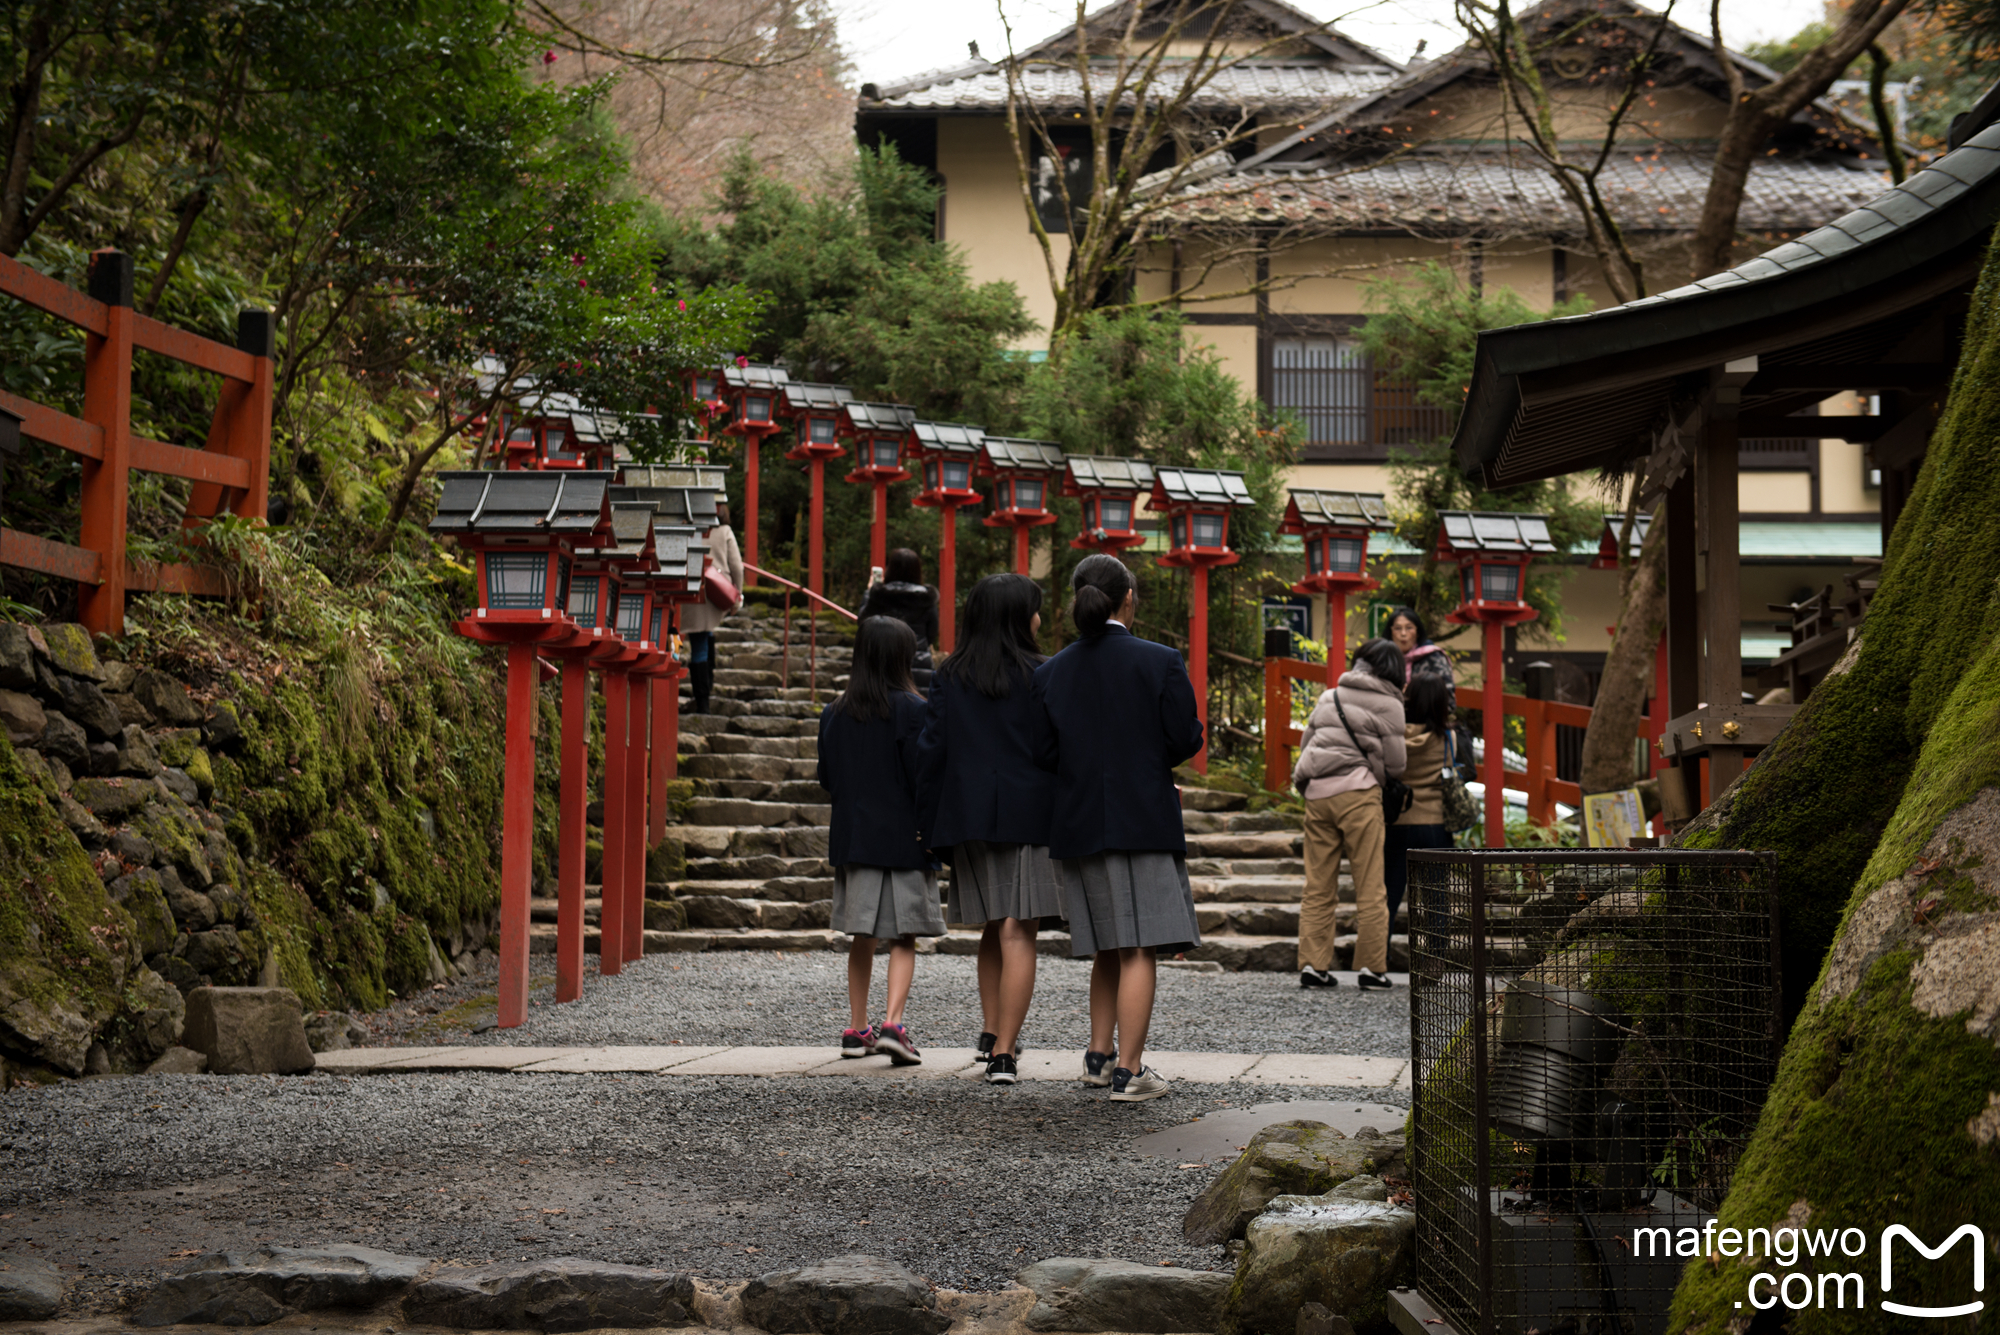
(1123, 713)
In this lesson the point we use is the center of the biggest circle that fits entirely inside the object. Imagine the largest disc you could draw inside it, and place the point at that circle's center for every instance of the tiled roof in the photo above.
(879, 418)
(1270, 88)
(1200, 486)
(947, 437)
(1104, 472)
(755, 376)
(631, 525)
(685, 505)
(1487, 531)
(559, 501)
(1452, 191)
(1347, 509)
(800, 395)
(1011, 452)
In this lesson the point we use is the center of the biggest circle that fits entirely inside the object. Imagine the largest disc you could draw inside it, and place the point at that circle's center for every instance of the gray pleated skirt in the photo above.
(994, 881)
(1119, 900)
(886, 901)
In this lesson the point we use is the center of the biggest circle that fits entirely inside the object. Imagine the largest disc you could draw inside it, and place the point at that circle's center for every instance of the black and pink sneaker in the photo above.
(895, 1040)
(857, 1042)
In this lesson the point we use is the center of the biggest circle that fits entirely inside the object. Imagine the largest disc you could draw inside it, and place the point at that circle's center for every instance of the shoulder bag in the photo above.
(1461, 809)
(1396, 795)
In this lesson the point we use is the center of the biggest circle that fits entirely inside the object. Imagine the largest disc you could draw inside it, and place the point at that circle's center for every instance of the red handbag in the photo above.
(715, 587)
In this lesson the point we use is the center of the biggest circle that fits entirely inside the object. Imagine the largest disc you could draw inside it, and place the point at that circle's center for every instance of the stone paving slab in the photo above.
(1194, 1068)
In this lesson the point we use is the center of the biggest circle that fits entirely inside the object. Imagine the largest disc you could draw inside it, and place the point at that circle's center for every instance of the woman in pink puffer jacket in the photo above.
(1341, 767)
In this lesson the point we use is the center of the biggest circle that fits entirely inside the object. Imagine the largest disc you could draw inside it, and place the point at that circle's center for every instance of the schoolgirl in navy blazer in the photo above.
(871, 768)
(1123, 713)
(997, 786)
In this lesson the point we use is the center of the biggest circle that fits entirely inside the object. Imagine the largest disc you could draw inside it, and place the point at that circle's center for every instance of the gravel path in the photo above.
(785, 1000)
(728, 1177)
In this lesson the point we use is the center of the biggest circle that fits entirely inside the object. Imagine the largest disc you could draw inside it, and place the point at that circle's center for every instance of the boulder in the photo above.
(17, 657)
(193, 910)
(51, 1032)
(1319, 1319)
(133, 848)
(1076, 1294)
(111, 799)
(81, 823)
(140, 894)
(69, 648)
(130, 709)
(63, 740)
(159, 1015)
(104, 759)
(180, 785)
(844, 1295)
(223, 729)
(1344, 1254)
(166, 698)
(135, 753)
(39, 770)
(218, 955)
(22, 717)
(90, 707)
(334, 1031)
(562, 1294)
(248, 1030)
(30, 1288)
(258, 1287)
(178, 1061)
(1297, 1158)
(117, 677)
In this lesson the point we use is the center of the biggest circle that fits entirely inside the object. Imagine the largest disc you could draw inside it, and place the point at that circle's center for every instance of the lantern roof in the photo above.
(1607, 542)
(680, 505)
(1013, 454)
(1337, 509)
(879, 418)
(1098, 472)
(631, 529)
(801, 396)
(756, 376)
(521, 502)
(680, 550)
(1491, 531)
(1199, 486)
(592, 426)
(710, 476)
(947, 437)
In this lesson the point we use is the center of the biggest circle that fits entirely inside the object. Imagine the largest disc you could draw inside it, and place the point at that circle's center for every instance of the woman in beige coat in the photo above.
(1353, 741)
(699, 619)
(1427, 711)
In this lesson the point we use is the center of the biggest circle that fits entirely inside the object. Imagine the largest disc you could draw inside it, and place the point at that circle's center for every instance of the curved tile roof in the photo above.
(1273, 87)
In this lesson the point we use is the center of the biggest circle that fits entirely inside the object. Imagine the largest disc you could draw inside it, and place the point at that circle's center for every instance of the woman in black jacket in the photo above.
(986, 795)
(902, 594)
(1124, 715)
(883, 884)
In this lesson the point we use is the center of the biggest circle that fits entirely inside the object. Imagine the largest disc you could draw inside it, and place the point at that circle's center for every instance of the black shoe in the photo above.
(1002, 1070)
(1311, 977)
(1099, 1068)
(1374, 982)
(985, 1047)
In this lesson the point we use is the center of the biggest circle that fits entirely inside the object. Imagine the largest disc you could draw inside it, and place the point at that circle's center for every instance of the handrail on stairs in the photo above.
(812, 660)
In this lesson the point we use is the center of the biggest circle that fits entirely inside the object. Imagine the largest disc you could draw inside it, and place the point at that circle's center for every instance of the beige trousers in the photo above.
(1350, 825)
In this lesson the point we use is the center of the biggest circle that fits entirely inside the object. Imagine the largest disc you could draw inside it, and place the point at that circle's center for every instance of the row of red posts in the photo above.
(582, 565)
(748, 401)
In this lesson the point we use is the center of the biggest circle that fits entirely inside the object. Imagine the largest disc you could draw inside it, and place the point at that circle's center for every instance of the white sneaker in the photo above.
(1129, 1088)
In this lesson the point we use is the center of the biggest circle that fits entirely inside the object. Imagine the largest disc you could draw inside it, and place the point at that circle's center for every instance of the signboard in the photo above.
(1611, 820)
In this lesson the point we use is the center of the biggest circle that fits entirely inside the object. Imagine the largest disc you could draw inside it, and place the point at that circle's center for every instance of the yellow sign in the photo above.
(1610, 820)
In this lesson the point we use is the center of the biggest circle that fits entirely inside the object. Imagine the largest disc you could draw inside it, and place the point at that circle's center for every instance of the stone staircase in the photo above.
(754, 834)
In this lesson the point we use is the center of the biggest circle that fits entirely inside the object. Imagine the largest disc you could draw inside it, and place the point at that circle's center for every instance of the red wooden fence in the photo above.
(231, 473)
(1540, 718)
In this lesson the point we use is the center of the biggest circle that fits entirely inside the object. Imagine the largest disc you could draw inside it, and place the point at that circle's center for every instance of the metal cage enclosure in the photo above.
(1593, 1035)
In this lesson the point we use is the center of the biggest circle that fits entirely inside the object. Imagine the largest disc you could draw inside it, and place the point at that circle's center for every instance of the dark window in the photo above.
(1349, 410)
(1068, 168)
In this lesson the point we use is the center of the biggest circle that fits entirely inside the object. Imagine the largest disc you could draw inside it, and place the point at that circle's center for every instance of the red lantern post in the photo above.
(946, 453)
(1025, 472)
(814, 411)
(1197, 502)
(753, 392)
(1109, 489)
(1335, 526)
(877, 429)
(523, 529)
(1493, 551)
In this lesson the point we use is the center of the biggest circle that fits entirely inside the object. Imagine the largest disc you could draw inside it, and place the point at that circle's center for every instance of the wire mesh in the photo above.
(1593, 1035)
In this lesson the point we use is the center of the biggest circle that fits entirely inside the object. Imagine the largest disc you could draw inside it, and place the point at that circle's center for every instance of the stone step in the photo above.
(1226, 889)
(741, 678)
(1255, 868)
(1272, 919)
(1265, 845)
(733, 811)
(746, 766)
(660, 914)
(755, 867)
(1212, 799)
(791, 889)
(795, 791)
(722, 912)
(737, 744)
(725, 842)
(1239, 822)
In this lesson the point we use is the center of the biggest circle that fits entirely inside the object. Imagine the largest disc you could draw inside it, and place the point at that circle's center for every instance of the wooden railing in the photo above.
(1540, 719)
(812, 599)
(231, 472)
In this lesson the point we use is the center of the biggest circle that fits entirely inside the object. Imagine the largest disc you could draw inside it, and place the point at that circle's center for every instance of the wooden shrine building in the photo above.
(1872, 304)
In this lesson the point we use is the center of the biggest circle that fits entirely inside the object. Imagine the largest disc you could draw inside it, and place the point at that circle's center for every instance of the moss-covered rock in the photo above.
(66, 951)
(69, 648)
(1299, 1158)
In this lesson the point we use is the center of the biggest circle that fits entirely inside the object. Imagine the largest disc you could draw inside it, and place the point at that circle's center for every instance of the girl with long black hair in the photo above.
(1123, 711)
(987, 797)
(884, 887)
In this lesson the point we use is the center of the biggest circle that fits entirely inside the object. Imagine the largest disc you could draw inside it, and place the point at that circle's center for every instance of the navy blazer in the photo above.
(986, 766)
(871, 770)
(1124, 715)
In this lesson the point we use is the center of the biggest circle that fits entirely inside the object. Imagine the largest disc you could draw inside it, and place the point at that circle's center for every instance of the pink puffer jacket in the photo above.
(1329, 760)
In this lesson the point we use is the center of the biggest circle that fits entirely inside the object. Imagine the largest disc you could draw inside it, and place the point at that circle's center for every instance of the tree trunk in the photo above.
(1882, 800)
(1628, 669)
